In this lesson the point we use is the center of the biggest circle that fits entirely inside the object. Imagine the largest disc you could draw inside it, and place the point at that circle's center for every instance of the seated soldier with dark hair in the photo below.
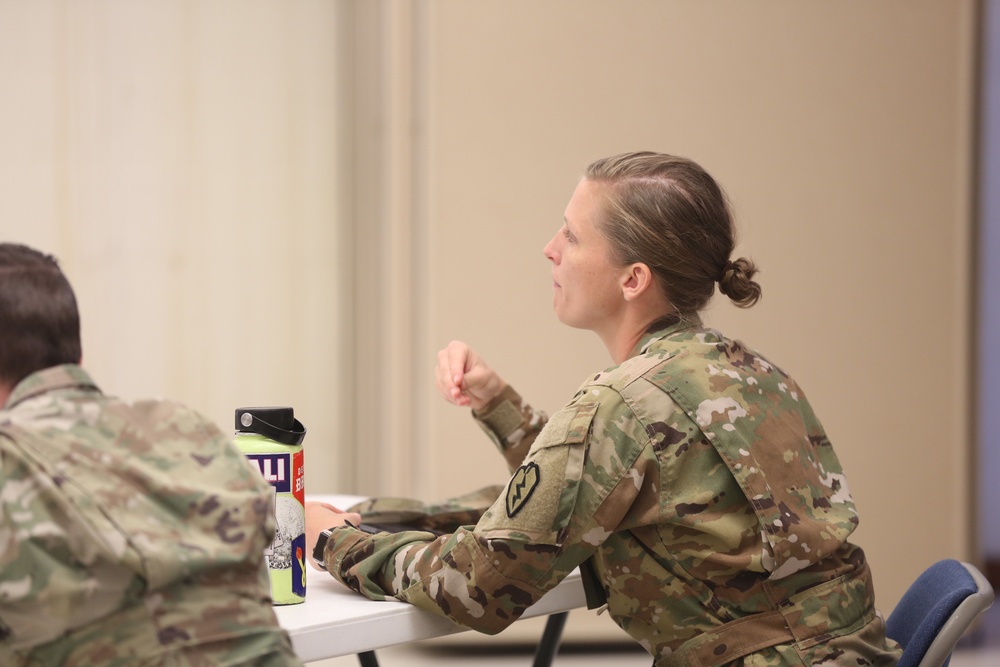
(130, 534)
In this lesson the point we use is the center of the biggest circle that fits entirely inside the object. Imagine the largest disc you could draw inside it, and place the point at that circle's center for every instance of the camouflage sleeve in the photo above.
(511, 424)
(580, 478)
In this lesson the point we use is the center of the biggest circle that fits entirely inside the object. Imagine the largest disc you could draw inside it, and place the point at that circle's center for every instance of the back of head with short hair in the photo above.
(39, 320)
(670, 214)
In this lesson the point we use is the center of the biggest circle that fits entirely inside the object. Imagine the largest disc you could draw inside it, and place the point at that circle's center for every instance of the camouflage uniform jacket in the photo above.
(129, 534)
(692, 483)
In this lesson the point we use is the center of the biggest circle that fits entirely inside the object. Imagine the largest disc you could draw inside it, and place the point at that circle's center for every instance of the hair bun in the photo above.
(736, 282)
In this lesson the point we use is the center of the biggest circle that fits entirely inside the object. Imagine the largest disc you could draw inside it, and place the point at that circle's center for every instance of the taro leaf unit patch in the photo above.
(521, 486)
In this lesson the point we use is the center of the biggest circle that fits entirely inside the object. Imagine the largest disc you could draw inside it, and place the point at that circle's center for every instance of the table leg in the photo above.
(549, 645)
(544, 654)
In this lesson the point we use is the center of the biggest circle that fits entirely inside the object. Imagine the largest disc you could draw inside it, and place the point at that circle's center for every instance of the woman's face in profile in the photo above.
(586, 289)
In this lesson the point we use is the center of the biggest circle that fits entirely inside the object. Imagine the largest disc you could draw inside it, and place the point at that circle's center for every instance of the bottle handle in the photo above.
(268, 430)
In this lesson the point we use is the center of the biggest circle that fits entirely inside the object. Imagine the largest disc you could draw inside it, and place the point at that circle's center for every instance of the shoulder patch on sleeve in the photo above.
(541, 493)
(522, 485)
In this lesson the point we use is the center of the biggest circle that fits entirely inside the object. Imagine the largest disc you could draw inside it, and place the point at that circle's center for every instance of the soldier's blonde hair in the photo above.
(670, 214)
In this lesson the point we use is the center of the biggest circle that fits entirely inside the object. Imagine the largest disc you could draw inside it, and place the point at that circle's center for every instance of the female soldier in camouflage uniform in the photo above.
(691, 482)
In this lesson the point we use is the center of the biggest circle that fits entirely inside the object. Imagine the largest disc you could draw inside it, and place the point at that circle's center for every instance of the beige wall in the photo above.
(183, 160)
(380, 177)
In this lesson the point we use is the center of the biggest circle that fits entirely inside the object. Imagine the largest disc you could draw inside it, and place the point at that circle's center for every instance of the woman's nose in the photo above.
(550, 249)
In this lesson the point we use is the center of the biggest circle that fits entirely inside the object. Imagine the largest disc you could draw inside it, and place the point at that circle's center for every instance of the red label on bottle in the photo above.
(299, 477)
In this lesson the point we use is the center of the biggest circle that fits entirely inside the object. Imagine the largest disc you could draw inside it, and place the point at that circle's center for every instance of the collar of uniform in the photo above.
(57, 377)
(662, 328)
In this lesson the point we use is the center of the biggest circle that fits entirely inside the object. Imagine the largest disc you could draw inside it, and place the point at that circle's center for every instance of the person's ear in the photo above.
(637, 279)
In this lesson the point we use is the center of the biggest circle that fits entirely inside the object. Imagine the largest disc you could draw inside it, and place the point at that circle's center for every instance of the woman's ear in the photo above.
(636, 281)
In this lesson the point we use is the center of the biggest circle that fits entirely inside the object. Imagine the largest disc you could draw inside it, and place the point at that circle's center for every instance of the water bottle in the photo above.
(271, 438)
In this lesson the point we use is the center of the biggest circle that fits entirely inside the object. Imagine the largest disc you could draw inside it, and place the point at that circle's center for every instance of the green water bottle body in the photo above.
(282, 465)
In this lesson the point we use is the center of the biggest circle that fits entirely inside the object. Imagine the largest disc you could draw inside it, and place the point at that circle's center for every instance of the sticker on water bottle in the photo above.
(275, 469)
(285, 472)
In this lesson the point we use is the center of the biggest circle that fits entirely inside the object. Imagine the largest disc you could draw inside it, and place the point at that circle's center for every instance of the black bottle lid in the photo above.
(275, 423)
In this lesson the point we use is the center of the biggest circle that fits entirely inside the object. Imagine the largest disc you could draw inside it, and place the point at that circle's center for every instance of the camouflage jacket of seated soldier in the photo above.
(695, 487)
(130, 535)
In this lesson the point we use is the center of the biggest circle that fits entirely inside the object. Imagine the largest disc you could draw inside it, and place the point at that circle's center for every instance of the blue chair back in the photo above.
(936, 611)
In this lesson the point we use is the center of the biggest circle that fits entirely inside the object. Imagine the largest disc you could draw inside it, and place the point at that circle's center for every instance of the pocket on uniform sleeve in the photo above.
(539, 499)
